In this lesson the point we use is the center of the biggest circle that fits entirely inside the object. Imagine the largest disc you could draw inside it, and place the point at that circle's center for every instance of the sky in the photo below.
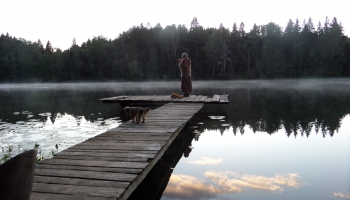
(59, 21)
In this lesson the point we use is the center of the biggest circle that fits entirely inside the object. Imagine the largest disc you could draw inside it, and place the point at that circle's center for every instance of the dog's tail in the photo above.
(145, 111)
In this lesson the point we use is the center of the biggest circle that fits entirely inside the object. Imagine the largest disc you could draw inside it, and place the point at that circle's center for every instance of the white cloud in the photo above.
(342, 195)
(228, 182)
(207, 161)
(229, 179)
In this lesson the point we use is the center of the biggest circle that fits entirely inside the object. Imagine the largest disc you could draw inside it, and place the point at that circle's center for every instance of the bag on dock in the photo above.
(176, 96)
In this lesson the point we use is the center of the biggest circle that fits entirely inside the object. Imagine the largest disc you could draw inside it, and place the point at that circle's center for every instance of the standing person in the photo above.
(185, 68)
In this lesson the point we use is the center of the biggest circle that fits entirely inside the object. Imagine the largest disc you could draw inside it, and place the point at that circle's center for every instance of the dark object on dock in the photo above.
(16, 176)
(176, 96)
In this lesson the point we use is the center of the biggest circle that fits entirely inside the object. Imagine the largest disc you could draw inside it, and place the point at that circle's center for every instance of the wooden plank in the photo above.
(92, 163)
(184, 99)
(223, 98)
(152, 143)
(150, 98)
(138, 134)
(165, 98)
(155, 120)
(86, 174)
(202, 99)
(120, 159)
(153, 125)
(197, 98)
(142, 131)
(190, 98)
(113, 98)
(131, 138)
(125, 147)
(126, 140)
(208, 100)
(216, 98)
(80, 181)
(51, 196)
(127, 98)
(155, 98)
(176, 99)
(188, 110)
(77, 190)
(114, 155)
(109, 151)
(88, 168)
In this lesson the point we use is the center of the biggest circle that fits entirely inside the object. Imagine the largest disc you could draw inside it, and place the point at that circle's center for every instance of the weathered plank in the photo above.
(88, 168)
(77, 190)
(80, 181)
(152, 143)
(120, 159)
(114, 155)
(208, 100)
(86, 174)
(191, 98)
(52, 196)
(119, 146)
(109, 151)
(92, 163)
(161, 99)
(135, 130)
(131, 138)
(202, 99)
(223, 98)
(113, 98)
(125, 141)
(216, 98)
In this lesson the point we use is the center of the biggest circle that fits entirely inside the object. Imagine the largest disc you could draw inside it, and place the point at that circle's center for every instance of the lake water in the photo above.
(277, 139)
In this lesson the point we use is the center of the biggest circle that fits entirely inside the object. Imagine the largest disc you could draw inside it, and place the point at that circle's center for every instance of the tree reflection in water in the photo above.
(296, 107)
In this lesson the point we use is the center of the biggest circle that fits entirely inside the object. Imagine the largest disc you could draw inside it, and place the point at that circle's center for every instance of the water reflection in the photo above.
(50, 129)
(50, 117)
(183, 186)
(288, 138)
(207, 161)
(234, 181)
(342, 195)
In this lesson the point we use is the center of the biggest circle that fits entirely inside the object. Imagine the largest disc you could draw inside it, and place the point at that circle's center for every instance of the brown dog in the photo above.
(137, 113)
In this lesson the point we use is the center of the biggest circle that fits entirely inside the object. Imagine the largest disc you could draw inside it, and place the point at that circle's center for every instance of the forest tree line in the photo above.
(151, 53)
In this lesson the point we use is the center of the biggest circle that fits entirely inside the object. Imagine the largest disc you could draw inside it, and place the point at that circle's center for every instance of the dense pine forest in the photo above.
(151, 53)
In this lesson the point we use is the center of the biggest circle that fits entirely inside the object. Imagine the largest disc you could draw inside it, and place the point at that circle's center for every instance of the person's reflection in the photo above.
(53, 117)
(78, 120)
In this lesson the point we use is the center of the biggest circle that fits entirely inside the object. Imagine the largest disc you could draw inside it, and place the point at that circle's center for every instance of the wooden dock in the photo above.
(111, 165)
(124, 100)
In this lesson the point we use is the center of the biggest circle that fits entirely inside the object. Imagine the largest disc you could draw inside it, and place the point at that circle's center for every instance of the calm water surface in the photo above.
(286, 139)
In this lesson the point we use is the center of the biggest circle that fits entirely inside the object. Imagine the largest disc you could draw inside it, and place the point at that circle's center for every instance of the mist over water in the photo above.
(277, 139)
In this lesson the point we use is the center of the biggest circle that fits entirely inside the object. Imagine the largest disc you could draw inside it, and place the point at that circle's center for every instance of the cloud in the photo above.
(229, 179)
(339, 194)
(207, 161)
(189, 187)
(228, 182)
